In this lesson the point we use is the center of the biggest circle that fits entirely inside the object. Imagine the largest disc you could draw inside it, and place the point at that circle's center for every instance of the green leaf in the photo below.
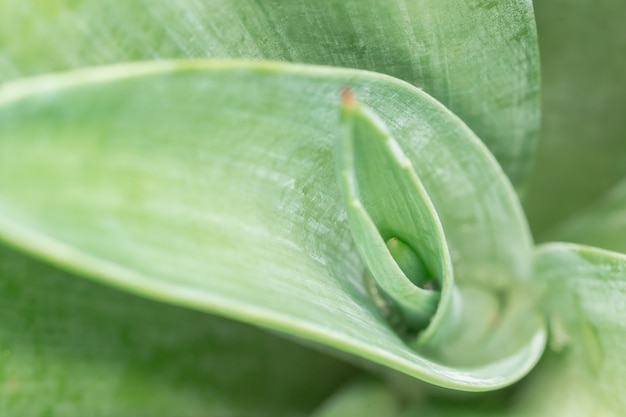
(585, 290)
(211, 185)
(479, 58)
(581, 152)
(603, 224)
(73, 348)
(584, 373)
(386, 204)
(363, 398)
(393, 223)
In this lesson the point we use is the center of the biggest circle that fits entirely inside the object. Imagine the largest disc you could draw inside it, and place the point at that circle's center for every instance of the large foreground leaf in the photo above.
(477, 57)
(72, 348)
(584, 373)
(211, 184)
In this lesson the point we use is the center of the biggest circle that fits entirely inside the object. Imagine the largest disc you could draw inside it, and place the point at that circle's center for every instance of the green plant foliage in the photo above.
(582, 152)
(583, 372)
(170, 163)
(478, 57)
(360, 399)
(289, 208)
(70, 347)
(384, 199)
(602, 224)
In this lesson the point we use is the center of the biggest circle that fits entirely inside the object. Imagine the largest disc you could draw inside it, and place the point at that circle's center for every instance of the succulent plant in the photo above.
(326, 208)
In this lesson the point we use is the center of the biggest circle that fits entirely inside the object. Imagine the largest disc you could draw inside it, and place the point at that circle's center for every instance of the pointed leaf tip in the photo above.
(348, 100)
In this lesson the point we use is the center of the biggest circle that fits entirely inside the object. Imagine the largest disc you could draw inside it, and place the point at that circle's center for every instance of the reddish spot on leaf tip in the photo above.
(347, 98)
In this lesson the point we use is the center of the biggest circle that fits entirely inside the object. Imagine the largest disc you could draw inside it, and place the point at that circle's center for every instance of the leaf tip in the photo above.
(348, 100)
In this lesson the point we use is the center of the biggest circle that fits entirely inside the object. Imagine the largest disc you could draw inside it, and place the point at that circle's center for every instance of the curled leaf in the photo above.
(583, 372)
(393, 223)
(210, 184)
(398, 234)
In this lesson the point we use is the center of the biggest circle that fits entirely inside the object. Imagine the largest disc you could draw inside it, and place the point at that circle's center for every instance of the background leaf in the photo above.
(140, 176)
(582, 152)
(602, 224)
(384, 198)
(362, 398)
(71, 348)
(477, 57)
(583, 374)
